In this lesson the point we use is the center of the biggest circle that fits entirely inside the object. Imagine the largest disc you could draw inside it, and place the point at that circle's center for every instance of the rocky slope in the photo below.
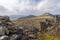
(47, 24)
(11, 31)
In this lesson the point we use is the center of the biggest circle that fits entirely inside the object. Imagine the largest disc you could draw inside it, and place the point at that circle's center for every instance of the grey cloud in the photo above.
(29, 7)
(2, 9)
(51, 6)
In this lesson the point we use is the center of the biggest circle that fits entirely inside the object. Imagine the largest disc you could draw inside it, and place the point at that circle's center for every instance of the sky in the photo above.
(29, 7)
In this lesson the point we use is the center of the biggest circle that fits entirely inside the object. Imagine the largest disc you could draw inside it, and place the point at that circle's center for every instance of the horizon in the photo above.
(29, 15)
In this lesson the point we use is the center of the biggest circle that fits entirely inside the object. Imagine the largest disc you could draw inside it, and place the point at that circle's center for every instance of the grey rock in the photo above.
(15, 32)
(3, 30)
(4, 38)
(15, 37)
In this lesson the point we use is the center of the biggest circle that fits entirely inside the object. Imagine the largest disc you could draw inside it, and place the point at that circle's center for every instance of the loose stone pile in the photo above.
(10, 31)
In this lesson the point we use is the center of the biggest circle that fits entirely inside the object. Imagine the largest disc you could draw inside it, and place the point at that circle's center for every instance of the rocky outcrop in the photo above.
(10, 31)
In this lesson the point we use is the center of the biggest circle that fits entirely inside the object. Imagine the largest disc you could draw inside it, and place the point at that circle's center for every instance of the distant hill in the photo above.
(30, 16)
(58, 15)
(14, 17)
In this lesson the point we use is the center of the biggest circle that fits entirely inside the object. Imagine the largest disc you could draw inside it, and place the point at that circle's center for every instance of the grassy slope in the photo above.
(35, 22)
(32, 21)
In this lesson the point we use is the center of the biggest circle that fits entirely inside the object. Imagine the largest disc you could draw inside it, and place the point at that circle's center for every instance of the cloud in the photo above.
(15, 7)
(8, 4)
(52, 6)
(19, 4)
(29, 7)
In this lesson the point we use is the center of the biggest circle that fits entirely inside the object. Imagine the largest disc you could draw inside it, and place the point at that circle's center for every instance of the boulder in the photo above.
(4, 38)
(3, 30)
(15, 37)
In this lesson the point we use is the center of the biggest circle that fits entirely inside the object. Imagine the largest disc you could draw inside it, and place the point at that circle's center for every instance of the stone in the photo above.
(4, 38)
(11, 31)
(3, 30)
(15, 37)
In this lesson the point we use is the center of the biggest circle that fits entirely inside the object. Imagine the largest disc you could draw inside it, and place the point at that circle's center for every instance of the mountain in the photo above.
(36, 20)
(30, 16)
(14, 17)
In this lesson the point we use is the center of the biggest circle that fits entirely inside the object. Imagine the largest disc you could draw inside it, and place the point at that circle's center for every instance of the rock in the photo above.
(15, 37)
(33, 39)
(4, 38)
(15, 32)
(3, 30)
(25, 37)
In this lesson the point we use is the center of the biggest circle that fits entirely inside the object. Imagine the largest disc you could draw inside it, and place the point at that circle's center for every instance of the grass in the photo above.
(36, 23)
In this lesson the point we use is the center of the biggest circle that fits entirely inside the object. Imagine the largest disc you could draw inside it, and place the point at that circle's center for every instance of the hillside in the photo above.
(11, 31)
(35, 20)
(47, 24)
(43, 27)
(25, 17)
